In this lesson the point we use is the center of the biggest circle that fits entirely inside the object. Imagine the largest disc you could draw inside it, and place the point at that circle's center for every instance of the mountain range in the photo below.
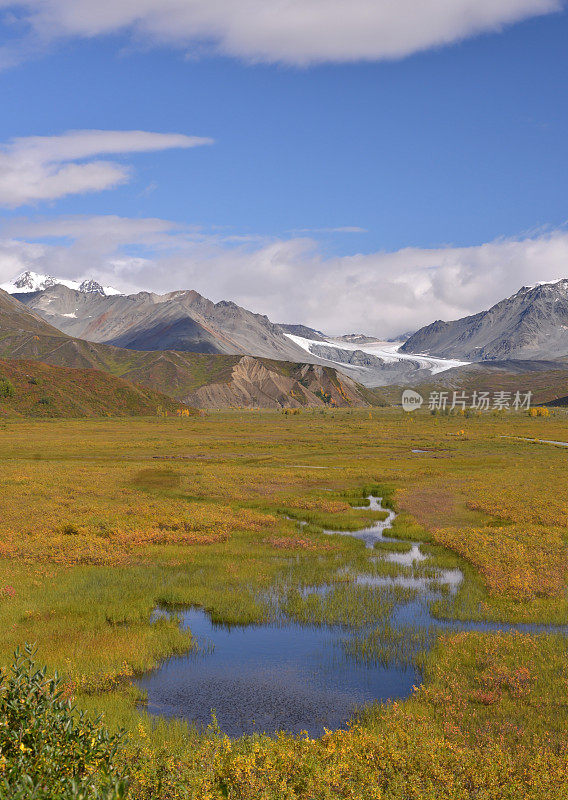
(530, 325)
(182, 320)
(220, 354)
(202, 380)
(186, 321)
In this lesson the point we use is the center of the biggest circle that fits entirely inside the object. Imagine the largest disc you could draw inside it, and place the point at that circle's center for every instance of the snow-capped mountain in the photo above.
(531, 324)
(29, 282)
(180, 320)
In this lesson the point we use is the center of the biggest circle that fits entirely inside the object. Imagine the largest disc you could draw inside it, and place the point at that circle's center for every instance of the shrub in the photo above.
(325, 396)
(49, 751)
(539, 411)
(70, 530)
(6, 388)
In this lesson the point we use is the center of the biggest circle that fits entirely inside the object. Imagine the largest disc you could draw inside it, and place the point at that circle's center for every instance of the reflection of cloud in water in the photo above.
(406, 559)
(299, 677)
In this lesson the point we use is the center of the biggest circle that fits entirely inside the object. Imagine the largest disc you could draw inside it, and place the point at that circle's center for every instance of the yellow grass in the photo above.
(100, 520)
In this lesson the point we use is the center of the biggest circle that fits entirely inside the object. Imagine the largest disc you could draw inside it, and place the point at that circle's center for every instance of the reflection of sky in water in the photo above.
(407, 559)
(297, 677)
(266, 677)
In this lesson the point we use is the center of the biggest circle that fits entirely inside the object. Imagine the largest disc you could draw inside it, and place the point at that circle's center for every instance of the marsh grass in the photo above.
(405, 527)
(389, 569)
(198, 532)
(387, 646)
(345, 604)
(350, 520)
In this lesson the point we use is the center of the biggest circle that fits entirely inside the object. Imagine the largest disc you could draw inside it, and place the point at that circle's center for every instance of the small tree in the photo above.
(48, 750)
(6, 388)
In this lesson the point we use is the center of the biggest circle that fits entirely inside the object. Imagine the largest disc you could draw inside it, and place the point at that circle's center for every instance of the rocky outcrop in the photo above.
(255, 384)
(304, 331)
(354, 357)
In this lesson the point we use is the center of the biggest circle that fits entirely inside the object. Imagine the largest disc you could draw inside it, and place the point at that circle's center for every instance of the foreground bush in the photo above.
(48, 751)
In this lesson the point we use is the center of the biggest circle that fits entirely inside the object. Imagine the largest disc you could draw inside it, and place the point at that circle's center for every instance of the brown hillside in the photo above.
(202, 380)
(33, 389)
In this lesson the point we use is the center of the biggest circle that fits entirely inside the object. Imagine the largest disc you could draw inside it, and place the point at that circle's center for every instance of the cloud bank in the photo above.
(298, 32)
(289, 280)
(39, 168)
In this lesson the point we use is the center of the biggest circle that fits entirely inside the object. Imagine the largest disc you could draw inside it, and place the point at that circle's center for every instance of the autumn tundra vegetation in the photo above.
(104, 520)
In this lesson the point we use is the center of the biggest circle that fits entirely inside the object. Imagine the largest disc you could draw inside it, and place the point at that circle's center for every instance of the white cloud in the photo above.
(287, 31)
(39, 168)
(289, 280)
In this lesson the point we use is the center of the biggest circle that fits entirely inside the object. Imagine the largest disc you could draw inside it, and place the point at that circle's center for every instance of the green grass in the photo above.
(387, 646)
(405, 527)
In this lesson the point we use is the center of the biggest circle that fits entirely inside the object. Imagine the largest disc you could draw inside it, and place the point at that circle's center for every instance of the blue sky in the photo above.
(320, 177)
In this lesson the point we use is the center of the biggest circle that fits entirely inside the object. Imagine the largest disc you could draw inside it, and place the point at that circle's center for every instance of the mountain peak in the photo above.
(529, 325)
(544, 284)
(90, 285)
(29, 281)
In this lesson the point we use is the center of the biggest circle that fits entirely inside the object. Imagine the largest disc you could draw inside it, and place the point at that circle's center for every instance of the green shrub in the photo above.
(6, 388)
(49, 751)
(70, 530)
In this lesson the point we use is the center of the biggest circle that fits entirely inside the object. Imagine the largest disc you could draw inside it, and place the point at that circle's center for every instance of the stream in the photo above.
(298, 677)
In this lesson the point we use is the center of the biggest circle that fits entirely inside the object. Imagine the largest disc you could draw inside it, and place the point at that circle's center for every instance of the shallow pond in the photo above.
(287, 676)
(269, 678)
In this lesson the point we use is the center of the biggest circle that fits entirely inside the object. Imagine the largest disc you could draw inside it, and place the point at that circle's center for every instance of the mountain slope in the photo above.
(33, 389)
(209, 381)
(532, 324)
(15, 317)
(182, 320)
(303, 330)
(546, 380)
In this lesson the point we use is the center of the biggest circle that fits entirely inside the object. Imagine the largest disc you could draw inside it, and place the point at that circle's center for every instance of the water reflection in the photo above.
(287, 676)
(269, 678)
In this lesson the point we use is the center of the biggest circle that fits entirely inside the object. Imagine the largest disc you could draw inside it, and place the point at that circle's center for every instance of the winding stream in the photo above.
(295, 677)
